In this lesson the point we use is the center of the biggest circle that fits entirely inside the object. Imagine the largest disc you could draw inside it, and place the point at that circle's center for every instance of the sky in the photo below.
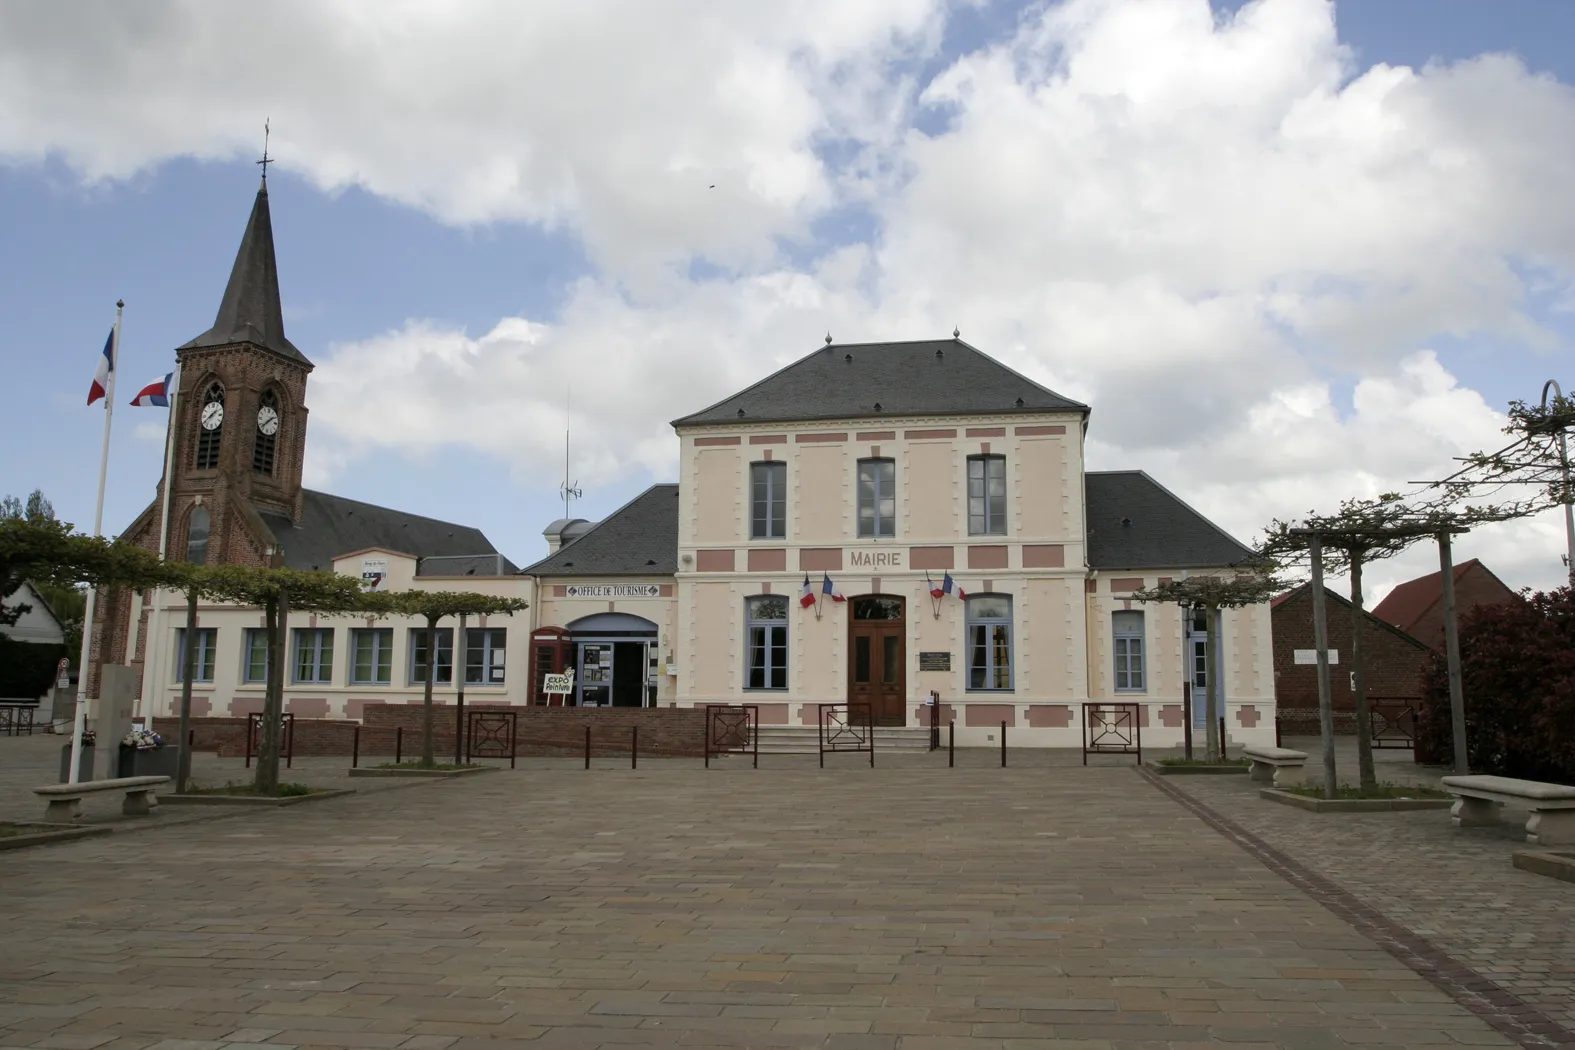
(1290, 251)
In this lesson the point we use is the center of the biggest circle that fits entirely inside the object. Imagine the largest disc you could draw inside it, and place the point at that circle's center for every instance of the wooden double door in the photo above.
(877, 657)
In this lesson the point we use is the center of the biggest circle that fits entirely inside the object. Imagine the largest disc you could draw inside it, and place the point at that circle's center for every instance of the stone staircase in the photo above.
(803, 740)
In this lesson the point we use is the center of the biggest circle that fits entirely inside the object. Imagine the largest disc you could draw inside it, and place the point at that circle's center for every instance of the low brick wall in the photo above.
(540, 731)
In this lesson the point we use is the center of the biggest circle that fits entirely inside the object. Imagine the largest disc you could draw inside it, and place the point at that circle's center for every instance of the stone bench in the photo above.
(1477, 799)
(65, 800)
(1277, 765)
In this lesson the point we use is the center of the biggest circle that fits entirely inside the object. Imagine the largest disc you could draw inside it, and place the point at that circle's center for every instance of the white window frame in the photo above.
(881, 526)
(990, 666)
(752, 624)
(989, 524)
(1129, 651)
(775, 506)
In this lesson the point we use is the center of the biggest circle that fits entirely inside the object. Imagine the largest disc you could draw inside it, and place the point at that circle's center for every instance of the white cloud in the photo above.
(1233, 243)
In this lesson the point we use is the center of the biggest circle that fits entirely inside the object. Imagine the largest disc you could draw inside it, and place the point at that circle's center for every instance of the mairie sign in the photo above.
(614, 590)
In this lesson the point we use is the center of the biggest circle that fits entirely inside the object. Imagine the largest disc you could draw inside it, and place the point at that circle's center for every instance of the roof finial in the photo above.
(956, 332)
(828, 338)
(266, 160)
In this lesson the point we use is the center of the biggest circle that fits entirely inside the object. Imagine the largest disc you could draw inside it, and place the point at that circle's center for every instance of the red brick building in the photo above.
(1393, 660)
(1417, 606)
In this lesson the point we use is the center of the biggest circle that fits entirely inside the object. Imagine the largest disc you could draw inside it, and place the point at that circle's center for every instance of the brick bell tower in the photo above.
(239, 437)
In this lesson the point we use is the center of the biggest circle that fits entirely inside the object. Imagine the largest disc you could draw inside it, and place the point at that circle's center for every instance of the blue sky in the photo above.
(387, 256)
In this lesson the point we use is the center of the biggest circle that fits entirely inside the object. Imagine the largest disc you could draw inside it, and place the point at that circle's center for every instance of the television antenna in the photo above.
(570, 490)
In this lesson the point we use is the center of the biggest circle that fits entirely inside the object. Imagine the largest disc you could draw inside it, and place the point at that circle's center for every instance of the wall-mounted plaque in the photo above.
(935, 661)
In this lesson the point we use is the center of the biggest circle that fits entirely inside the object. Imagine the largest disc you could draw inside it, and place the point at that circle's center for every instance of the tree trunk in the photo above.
(428, 752)
(1364, 717)
(1211, 712)
(275, 615)
(189, 669)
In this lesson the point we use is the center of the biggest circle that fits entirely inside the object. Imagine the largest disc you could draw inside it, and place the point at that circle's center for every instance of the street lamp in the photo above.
(1564, 464)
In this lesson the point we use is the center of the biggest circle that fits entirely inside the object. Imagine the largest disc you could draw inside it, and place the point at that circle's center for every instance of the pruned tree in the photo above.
(434, 606)
(276, 591)
(1250, 583)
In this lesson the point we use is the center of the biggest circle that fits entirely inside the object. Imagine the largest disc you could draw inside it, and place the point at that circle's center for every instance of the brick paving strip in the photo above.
(1502, 1009)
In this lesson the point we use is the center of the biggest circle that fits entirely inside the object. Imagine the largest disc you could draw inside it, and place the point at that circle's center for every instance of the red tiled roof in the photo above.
(1411, 600)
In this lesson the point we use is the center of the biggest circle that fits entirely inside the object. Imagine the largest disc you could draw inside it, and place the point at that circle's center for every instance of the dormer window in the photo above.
(266, 442)
(210, 427)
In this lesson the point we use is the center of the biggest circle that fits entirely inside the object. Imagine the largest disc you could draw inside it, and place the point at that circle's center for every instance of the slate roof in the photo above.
(333, 525)
(638, 539)
(1161, 531)
(250, 311)
(943, 377)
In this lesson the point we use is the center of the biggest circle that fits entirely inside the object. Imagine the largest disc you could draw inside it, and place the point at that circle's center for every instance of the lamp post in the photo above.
(1564, 464)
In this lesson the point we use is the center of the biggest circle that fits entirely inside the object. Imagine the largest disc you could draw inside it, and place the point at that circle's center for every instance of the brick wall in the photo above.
(1393, 662)
(540, 731)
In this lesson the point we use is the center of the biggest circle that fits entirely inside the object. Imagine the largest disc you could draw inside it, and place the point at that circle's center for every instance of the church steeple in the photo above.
(250, 311)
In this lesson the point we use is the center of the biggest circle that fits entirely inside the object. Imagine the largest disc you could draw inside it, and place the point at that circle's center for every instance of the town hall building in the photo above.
(875, 523)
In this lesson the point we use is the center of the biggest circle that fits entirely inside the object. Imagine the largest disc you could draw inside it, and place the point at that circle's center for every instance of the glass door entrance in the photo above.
(613, 674)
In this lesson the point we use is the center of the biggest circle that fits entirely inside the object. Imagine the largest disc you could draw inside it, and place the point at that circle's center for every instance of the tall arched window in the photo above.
(267, 440)
(210, 427)
(198, 524)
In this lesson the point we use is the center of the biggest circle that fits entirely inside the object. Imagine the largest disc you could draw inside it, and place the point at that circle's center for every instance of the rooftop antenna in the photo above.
(569, 489)
(266, 160)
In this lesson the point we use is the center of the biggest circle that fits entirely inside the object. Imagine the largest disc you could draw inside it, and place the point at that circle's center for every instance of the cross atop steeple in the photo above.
(266, 160)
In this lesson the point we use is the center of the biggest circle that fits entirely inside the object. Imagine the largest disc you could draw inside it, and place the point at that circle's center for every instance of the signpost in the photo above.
(560, 685)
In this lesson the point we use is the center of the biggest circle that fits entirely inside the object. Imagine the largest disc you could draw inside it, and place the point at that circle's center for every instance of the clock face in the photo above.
(212, 415)
(268, 420)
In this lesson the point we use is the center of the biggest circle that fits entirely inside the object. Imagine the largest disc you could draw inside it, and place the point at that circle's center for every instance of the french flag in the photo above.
(806, 596)
(937, 590)
(830, 589)
(106, 366)
(951, 586)
(156, 394)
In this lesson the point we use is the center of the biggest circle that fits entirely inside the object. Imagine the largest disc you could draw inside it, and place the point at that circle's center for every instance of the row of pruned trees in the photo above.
(1534, 468)
(44, 550)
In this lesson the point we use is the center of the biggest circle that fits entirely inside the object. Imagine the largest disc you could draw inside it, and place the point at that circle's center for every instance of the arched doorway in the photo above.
(612, 660)
(877, 657)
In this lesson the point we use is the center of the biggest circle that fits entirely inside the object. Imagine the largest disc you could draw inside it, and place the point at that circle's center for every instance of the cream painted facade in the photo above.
(227, 692)
(1061, 627)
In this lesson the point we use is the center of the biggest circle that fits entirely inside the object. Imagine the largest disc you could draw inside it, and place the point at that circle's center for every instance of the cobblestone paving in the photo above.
(1453, 886)
(851, 909)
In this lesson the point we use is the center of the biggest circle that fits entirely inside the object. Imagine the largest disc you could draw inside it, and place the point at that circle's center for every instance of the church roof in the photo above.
(250, 311)
(332, 525)
(638, 539)
(932, 377)
(1134, 522)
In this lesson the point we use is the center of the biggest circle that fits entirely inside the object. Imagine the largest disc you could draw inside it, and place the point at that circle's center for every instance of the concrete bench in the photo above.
(65, 800)
(1277, 765)
(1477, 799)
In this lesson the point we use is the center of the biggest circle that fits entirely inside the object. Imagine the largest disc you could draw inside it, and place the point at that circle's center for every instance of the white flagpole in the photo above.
(150, 640)
(80, 724)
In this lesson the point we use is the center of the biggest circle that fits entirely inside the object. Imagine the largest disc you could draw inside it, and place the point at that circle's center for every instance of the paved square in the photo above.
(910, 907)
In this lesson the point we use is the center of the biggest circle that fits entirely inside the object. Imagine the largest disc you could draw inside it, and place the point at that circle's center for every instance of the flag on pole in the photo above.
(106, 365)
(806, 596)
(156, 394)
(830, 589)
(951, 586)
(936, 590)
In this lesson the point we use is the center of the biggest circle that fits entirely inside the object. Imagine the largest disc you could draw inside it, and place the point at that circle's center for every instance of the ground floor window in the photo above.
(207, 646)
(371, 655)
(484, 649)
(256, 668)
(1128, 631)
(418, 655)
(990, 642)
(314, 655)
(766, 642)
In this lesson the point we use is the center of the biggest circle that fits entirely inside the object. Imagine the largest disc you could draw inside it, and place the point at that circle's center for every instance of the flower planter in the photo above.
(157, 762)
(84, 766)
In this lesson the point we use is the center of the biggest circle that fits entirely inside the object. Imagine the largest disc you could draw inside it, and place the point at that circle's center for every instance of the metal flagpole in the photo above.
(80, 723)
(152, 636)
